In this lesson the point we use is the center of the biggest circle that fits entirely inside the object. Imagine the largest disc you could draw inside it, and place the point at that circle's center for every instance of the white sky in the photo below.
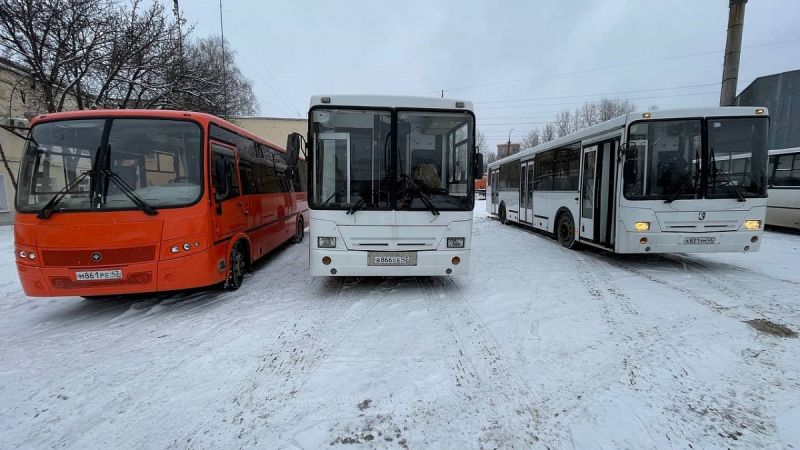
(480, 50)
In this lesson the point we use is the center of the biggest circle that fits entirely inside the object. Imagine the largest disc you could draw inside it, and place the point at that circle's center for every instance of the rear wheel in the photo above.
(301, 230)
(238, 267)
(503, 215)
(565, 230)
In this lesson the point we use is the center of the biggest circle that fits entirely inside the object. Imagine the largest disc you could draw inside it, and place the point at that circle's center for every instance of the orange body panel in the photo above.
(139, 245)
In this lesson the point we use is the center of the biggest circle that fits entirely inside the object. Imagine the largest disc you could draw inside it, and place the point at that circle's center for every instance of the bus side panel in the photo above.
(783, 207)
(510, 197)
(546, 205)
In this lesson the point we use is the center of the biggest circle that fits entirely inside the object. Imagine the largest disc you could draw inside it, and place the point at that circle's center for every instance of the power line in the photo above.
(615, 66)
(598, 94)
(572, 103)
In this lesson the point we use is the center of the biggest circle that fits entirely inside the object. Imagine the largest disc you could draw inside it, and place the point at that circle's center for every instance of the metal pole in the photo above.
(224, 67)
(733, 51)
(508, 149)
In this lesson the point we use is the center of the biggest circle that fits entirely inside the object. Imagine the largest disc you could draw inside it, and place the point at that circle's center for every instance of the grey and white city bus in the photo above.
(645, 182)
(391, 185)
(783, 204)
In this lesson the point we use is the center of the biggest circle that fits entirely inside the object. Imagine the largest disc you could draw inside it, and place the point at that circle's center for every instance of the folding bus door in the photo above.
(588, 192)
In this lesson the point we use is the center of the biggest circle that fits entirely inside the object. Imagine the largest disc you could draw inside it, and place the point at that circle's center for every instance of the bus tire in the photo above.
(238, 267)
(565, 230)
(502, 214)
(300, 231)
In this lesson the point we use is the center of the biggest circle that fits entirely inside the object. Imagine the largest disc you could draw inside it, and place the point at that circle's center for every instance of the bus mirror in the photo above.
(478, 170)
(293, 149)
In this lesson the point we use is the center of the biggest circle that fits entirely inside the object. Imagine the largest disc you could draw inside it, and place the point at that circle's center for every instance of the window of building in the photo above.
(3, 194)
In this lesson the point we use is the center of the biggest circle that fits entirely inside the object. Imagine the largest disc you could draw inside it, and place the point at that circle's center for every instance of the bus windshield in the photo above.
(670, 160)
(159, 160)
(359, 164)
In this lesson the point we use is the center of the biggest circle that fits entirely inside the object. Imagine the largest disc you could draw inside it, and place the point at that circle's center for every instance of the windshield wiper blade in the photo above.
(128, 191)
(680, 190)
(356, 206)
(408, 182)
(713, 179)
(49, 208)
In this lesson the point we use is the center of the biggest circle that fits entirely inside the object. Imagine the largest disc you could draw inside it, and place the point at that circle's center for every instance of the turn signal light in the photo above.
(642, 226)
(752, 224)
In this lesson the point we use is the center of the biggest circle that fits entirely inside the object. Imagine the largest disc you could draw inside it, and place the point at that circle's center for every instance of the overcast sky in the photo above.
(497, 53)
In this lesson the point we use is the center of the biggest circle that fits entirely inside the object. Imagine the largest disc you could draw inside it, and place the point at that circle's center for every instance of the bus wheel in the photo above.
(565, 230)
(237, 269)
(301, 230)
(502, 214)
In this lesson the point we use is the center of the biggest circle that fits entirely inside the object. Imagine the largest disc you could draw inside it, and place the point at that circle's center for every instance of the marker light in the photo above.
(326, 242)
(752, 224)
(325, 99)
(459, 104)
(642, 226)
(646, 115)
(455, 242)
(759, 110)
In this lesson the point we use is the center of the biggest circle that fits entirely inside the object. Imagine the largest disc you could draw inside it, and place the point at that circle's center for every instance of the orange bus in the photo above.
(130, 201)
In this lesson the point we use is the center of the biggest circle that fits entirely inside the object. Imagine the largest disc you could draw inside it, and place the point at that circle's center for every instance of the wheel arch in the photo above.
(559, 213)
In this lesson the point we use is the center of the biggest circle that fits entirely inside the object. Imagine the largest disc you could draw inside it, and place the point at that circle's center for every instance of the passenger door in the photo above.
(588, 192)
(230, 206)
(495, 180)
(526, 192)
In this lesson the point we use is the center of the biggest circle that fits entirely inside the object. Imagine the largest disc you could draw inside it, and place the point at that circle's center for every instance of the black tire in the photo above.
(503, 215)
(238, 267)
(565, 230)
(300, 231)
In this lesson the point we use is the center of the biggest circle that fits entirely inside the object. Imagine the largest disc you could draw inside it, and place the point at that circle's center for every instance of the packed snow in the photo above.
(539, 347)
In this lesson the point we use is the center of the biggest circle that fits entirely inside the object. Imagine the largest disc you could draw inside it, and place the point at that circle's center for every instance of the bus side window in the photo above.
(771, 171)
(224, 177)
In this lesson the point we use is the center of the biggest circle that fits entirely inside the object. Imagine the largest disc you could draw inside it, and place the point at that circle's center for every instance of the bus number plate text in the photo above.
(699, 240)
(392, 259)
(99, 275)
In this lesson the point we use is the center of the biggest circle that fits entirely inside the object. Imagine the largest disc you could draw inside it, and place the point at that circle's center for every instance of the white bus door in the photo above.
(526, 192)
(588, 192)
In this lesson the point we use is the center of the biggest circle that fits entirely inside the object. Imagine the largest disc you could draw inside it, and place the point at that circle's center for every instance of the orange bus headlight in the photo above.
(26, 255)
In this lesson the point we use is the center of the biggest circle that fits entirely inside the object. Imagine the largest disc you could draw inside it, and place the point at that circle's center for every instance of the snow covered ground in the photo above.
(539, 347)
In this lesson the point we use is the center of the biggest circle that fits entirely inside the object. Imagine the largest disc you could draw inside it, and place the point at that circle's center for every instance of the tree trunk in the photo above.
(8, 168)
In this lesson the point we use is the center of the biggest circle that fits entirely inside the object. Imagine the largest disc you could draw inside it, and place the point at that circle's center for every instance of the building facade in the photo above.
(504, 150)
(273, 129)
(781, 94)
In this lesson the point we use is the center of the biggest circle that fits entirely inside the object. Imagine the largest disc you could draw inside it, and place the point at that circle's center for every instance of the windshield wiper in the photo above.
(356, 206)
(49, 208)
(713, 178)
(128, 191)
(680, 189)
(408, 182)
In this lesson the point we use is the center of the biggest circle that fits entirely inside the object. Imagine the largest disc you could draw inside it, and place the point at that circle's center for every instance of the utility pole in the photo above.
(224, 66)
(733, 51)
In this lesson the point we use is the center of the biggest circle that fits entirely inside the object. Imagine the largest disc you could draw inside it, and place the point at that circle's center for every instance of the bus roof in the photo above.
(151, 113)
(390, 101)
(621, 121)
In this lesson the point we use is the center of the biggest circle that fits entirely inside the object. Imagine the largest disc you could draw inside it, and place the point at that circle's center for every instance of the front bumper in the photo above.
(669, 242)
(353, 263)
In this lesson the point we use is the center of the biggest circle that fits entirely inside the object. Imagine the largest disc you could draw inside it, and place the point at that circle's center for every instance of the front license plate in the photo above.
(392, 259)
(99, 275)
(699, 240)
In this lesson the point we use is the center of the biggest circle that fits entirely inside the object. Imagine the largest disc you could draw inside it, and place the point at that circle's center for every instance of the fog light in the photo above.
(326, 260)
(448, 271)
(174, 249)
(456, 260)
(754, 239)
(642, 226)
(643, 240)
(326, 242)
(333, 271)
(23, 254)
(31, 256)
(187, 246)
(752, 224)
(455, 242)
(747, 248)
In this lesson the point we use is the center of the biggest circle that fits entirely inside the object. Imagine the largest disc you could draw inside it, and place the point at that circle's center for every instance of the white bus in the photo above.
(783, 204)
(391, 185)
(652, 182)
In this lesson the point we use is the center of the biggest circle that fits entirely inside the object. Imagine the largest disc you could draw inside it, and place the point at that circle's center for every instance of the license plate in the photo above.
(99, 275)
(392, 259)
(699, 240)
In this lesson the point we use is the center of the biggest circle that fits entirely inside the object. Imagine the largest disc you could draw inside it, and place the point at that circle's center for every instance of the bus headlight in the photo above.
(642, 226)
(752, 224)
(174, 249)
(455, 242)
(326, 242)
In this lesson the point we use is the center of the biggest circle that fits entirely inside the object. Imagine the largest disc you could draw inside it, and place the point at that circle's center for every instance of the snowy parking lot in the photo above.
(539, 347)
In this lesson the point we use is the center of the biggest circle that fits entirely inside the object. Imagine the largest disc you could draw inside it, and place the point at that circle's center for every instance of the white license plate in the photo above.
(392, 259)
(699, 240)
(99, 275)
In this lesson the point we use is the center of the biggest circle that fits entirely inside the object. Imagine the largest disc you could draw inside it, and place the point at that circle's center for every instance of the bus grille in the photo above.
(108, 257)
(131, 280)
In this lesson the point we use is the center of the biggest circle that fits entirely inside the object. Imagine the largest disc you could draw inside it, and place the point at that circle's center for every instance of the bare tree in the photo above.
(480, 141)
(609, 109)
(563, 123)
(589, 114)
(532, 139)
(548, 133)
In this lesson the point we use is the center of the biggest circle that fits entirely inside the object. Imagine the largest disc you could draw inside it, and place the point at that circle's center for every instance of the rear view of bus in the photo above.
(391, 185)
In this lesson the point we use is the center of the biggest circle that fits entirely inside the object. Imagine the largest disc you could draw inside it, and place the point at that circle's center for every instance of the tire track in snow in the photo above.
(480, 371)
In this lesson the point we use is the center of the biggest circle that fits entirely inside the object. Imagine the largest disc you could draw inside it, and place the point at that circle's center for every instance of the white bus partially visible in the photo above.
(652, 182)
(783, 204)
(391, 185)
